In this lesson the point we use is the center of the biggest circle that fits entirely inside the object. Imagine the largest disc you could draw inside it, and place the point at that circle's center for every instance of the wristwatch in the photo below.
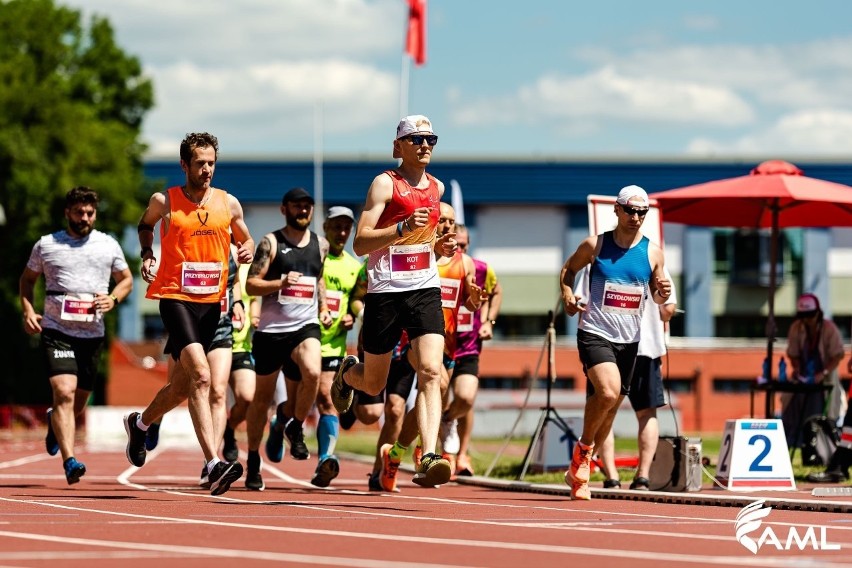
(493, 322)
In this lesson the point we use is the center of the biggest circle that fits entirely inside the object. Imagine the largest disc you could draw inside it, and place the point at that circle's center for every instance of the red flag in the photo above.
(415, 42)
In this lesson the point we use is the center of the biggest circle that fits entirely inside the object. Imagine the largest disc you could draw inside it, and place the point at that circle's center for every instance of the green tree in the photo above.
(72, 108)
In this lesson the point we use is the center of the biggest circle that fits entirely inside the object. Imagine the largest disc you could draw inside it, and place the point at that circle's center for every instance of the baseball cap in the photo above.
(632, 193)
(296, 194)
(807, 305)
(339, 211)
(413, 124)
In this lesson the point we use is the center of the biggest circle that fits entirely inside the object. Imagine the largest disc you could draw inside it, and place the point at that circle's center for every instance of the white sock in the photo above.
(140, 424)
(211, 464)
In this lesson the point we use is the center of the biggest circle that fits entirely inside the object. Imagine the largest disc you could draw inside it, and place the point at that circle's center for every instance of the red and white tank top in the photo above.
(408, 263)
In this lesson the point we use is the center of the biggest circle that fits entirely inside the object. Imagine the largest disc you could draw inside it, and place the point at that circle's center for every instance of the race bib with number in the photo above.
(333, 299)
(78, 307)
(464, 322)
(622, 299)
(302, 292)
(200, 277)
(450, 292)
(410, 261)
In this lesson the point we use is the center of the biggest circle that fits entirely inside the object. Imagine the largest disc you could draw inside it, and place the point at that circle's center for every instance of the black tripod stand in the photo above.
(548, 413)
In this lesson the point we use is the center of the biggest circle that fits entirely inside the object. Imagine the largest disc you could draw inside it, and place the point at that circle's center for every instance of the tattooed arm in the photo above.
(256, 284)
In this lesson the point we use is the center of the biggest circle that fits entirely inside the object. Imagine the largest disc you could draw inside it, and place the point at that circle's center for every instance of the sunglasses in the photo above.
(417, 139)
(630, 211)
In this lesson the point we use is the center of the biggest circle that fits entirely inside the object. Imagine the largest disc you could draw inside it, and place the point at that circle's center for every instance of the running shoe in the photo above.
(51, 444)
(296, 439)
(254, 481)
(275, 441)
(223, 475)
(327, 469)
(204, 482)
(230, 451)
(448, 433)
(152, 436)
(390, 467)
(74, 470)
(135, 450)
(433, 471)
(578, 473)
(641, 484)
(612, 484)
(373, 482)
(341, 393)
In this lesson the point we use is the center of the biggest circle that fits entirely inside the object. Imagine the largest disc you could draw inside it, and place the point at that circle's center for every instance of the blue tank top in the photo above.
(618, 289)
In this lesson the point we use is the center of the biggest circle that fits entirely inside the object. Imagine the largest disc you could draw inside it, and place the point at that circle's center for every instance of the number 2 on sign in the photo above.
(767, 445)
(726, 454)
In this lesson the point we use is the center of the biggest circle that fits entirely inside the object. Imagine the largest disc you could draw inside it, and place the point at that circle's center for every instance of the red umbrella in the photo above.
(775, 194)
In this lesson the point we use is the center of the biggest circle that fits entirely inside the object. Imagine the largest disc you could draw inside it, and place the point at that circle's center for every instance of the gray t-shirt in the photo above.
(73, 266)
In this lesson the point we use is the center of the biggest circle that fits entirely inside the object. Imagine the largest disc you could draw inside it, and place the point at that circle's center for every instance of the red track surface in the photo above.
(119, 515)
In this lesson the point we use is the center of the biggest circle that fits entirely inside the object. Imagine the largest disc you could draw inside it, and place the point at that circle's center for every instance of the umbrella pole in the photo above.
(770, 322)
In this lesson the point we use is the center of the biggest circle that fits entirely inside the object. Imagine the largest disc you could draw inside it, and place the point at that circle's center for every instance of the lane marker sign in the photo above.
(754, 455)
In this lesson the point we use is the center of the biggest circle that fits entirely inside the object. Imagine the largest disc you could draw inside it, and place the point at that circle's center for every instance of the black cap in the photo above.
(297, 194)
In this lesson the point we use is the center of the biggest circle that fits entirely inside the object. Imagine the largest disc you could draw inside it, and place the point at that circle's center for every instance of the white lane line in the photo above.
(579, 525)
(221, 552)
(739, 560)
(26, 460)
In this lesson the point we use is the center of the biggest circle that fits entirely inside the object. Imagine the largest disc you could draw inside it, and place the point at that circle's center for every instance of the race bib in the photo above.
(223, 306)
(409, 262)
(333, 299)
(622, 299)
(450, 292)
(200, 277)
(464, 322)
(302, 292)
(78, 307)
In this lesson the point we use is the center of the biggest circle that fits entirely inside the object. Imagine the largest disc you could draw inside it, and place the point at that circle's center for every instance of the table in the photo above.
(772, 387)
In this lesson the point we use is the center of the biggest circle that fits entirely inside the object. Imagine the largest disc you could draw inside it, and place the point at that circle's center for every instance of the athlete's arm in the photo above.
(157, 210)
(256, 285)
(367, 237)
(581, 258)
(26, 287)
(661, 286)
(240, 231)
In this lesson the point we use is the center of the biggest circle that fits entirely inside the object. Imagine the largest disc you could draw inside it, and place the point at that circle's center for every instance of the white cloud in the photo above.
(808, 132)
(609, 95)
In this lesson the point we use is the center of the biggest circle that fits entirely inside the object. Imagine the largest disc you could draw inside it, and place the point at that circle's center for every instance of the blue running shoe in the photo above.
(51, 444)
(275, 442)
(74, 470)
(152, 436)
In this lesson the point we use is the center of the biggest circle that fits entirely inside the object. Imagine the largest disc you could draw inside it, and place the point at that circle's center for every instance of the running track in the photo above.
(119, 515)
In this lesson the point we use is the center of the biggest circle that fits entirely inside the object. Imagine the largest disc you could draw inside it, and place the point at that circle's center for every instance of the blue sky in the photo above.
(556, 79)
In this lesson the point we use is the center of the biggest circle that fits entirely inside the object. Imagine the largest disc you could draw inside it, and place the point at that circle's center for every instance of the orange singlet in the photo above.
(194, 249)
(452, 276)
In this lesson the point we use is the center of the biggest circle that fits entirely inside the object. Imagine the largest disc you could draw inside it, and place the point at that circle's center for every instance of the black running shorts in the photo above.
(387, 314)
(595, 350)
(67, 355)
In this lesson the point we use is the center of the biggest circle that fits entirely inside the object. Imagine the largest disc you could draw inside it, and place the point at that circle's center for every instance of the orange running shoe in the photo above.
(417, 456)
(387, 476)
(579, 472)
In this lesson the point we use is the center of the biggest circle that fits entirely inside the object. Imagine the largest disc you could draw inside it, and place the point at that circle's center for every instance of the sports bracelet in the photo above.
(399, 228)
(114, 298)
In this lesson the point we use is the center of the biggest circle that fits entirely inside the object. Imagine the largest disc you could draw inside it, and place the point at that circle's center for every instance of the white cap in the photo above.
(632, 195)
(413, 124)
(340, 211)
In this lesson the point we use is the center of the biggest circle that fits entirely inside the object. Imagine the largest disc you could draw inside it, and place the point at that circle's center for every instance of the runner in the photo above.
(76, 263)
(397, 229)
(288, 275)
(626, 271)
(197, 222)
